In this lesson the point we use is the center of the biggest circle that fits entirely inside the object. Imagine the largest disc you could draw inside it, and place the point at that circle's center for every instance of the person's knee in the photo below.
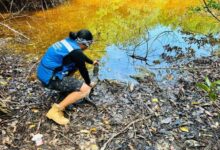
(85, 90)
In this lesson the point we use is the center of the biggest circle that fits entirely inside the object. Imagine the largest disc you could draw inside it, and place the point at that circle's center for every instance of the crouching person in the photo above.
(60, 61)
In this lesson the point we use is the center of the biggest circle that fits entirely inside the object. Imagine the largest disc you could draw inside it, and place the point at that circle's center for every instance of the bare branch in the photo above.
(3, 4)
(21, 34)
(209, 10)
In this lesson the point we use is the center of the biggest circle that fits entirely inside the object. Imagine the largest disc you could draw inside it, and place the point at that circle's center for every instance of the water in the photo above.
(118, 65)
(165, 32)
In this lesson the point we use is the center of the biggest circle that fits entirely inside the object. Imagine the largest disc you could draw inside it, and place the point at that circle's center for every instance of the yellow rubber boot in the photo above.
(57, 115)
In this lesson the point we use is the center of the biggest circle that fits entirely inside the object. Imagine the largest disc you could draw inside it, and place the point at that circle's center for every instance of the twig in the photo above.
(140, 136)
(60, 133)
(209, 10)
(11, 6)
(217, 106)
(20, 10)
(89, 101)
(135, 133)
(21, 34)
(66, 138)
(39, 124)
(115, 135)
(3, 4)
(30, 70)
(168, 31)
(149, 131)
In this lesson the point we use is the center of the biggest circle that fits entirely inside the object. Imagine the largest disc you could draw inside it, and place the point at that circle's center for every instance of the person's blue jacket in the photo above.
(52, 62)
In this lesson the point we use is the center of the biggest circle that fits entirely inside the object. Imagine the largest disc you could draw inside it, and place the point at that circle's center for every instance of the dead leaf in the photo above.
(131, 87)
(93, 147)
(169, 77)
(131, 146)
(152, 129)
(85, 131)
(3, 82)
(166, 120)
(195, 103)
(34, 110)
(89, 145)
(184, 129)
(93, 130)
(105, 121)
(208, 113)
(192, 143)
(32, 126)
(6, 140)
(155, 100)
(33, 77)
(54, 141)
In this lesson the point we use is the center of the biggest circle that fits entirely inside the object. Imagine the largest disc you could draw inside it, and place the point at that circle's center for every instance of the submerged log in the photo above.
(139, 57)
(20, 5)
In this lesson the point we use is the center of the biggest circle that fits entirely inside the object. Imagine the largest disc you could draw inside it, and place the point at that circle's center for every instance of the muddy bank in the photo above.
(29, 5)
(144, 117)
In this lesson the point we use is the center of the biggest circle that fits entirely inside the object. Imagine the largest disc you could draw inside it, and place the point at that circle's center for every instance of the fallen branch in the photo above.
(115, 135)
(71, 141)
(21, 34)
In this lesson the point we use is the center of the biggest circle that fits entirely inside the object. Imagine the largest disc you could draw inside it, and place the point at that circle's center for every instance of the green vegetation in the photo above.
(213, 4)
(210, 6)
(211, 88)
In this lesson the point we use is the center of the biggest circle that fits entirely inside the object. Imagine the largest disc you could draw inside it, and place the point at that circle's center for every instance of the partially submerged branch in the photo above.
(138, 57)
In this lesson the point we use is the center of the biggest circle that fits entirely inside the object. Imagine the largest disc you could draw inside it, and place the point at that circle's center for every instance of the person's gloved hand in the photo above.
(96, 62)
(92, 84)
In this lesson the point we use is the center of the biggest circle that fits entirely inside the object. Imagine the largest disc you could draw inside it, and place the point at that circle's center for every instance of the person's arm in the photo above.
(84, 73)
(79, 58)
(88, 60)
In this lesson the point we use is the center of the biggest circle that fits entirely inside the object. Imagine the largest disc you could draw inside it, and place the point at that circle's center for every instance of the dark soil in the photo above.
(146, 116)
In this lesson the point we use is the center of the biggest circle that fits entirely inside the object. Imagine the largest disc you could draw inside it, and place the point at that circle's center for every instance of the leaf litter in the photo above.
(143, 116)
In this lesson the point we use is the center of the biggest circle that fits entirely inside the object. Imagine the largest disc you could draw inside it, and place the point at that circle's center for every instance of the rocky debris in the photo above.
(143, 116)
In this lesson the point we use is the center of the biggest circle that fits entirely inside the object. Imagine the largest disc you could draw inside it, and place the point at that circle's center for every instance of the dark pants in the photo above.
(65, 86)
